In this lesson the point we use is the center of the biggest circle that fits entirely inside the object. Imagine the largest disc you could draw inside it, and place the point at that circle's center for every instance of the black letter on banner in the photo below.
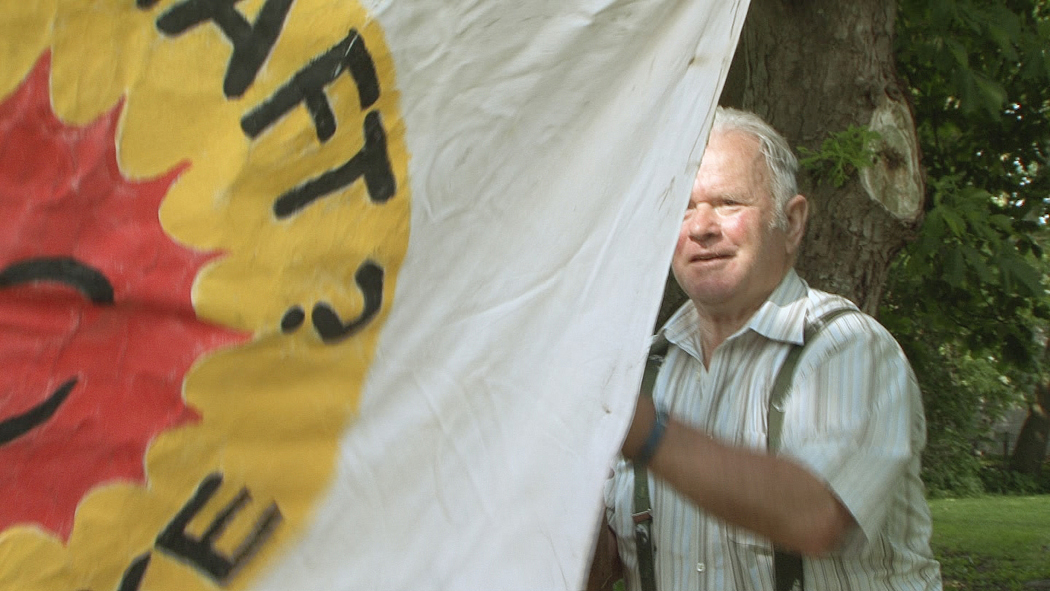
(84, 278)
(371, 162)
(144, 4)
(132, 578)
(200, 552)
(308, 86)
(251, 42)
(369, 279)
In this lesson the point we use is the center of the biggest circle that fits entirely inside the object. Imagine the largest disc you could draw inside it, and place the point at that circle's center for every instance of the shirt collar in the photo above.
(781, 317)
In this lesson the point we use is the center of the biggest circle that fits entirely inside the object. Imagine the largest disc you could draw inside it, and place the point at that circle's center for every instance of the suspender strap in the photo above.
(643, 510)
(782, 383)
(643, 529)
(787, 566)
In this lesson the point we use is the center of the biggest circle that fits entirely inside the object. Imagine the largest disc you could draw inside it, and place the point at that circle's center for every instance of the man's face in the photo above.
(729, 258)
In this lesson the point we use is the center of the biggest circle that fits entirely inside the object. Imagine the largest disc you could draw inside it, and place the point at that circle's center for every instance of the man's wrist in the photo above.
(653, 439)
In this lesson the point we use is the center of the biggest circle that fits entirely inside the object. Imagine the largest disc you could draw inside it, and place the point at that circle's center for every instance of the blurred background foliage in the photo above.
(967, 299)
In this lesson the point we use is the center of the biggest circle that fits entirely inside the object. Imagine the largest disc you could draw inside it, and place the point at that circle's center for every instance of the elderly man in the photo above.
(844, 490)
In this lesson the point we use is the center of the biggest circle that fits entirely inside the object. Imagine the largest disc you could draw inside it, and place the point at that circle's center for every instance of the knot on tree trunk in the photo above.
(895, 179)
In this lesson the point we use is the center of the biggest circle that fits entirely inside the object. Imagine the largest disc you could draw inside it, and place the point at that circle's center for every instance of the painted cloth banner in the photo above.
(321, 294)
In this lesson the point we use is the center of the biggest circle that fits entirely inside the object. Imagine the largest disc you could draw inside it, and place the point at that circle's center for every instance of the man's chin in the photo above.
(711, 294)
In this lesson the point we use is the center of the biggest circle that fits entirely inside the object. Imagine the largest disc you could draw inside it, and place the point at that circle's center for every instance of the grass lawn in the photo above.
(993, 543)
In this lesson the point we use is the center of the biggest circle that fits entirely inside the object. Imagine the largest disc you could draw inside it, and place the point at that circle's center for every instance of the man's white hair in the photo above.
(781, 164)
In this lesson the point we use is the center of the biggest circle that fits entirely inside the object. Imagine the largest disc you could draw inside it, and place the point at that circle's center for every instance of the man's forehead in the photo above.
(735, 139)
(733, 149)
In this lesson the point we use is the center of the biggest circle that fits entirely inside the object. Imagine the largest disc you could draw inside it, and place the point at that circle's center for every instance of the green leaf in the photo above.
(1016, 271)
(953, 220)
(955, 268)
(977, 264)
(1004, 29)
(841, 155)
(957, 50)
(993, 95)
(1001, 223)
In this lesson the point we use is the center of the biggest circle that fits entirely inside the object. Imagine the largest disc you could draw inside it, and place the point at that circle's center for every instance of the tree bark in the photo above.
(812, 68)
(1030, 449)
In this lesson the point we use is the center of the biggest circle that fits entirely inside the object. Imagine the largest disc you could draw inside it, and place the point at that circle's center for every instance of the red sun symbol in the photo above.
(97, 329)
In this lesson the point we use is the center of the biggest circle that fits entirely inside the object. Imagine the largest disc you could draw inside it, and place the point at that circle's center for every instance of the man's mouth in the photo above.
(710, 256)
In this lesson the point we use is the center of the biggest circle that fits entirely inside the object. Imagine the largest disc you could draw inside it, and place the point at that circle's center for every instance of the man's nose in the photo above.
(702, 223)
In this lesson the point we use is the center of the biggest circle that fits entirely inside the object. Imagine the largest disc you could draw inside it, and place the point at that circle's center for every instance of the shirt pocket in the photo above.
(745, 540)
(748, 560)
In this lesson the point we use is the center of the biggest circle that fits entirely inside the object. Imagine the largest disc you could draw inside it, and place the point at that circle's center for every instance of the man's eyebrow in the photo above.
(735, 196)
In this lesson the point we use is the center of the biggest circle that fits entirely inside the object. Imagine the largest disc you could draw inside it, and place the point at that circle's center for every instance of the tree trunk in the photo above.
(1030, 450)
(813, 68)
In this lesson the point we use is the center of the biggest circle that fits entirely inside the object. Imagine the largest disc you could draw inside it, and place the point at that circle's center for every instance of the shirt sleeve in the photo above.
(854, 417)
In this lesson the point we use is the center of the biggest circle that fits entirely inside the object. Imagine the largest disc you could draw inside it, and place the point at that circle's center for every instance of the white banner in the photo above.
(316, 294)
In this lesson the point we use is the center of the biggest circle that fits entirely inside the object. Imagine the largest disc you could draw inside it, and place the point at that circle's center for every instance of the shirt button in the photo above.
(700, 567)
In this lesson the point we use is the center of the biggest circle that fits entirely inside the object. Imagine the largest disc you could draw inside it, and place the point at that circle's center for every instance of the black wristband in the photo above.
(652, 441)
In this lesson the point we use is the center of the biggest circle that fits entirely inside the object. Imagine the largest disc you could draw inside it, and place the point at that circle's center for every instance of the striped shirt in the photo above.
(853, 417)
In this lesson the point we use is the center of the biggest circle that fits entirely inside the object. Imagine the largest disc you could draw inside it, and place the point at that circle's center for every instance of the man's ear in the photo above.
(797, 212)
